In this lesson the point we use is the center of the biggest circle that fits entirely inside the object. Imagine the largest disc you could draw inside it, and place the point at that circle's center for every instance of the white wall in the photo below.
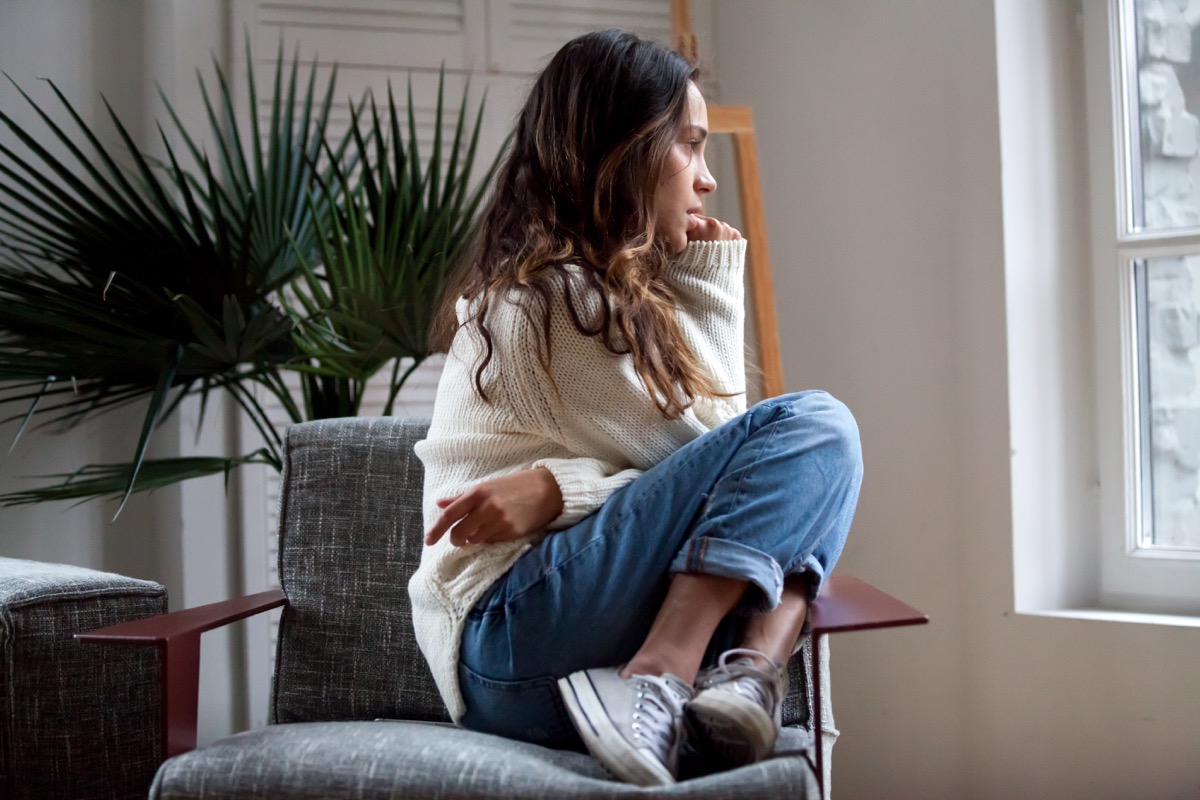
(83, 53)
(180, 536)
(880, 146)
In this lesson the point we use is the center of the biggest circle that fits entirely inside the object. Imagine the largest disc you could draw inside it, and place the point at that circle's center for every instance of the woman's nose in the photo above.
(705, 182)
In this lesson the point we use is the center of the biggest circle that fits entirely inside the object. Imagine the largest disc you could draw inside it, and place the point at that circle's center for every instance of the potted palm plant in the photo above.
(278, 249)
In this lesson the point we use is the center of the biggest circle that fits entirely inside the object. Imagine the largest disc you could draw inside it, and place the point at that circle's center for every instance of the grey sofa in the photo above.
(79, 723)
(355, 712)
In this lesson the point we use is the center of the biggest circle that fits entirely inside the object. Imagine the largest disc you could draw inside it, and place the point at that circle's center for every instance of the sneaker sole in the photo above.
(733, 731)
(602, 738)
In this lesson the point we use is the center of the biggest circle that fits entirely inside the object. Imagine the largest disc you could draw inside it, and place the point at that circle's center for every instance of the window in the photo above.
(1163, 200)
(1144, 138)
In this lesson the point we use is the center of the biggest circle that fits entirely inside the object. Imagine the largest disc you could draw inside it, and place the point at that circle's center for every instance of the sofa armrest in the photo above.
(61, 734)
(177, 636)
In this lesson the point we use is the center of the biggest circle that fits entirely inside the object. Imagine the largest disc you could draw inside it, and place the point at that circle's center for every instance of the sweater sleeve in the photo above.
(585, 484)
(709, 289)
(591, 404)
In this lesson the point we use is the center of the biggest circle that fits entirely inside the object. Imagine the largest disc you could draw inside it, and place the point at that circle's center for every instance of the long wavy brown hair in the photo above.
(574, 200)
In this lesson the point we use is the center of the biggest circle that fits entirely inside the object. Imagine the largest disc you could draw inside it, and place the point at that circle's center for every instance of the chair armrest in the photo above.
(851, 604)
(177, 635)
(846, 604)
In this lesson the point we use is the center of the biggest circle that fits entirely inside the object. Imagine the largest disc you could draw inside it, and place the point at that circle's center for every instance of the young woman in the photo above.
(604, 517)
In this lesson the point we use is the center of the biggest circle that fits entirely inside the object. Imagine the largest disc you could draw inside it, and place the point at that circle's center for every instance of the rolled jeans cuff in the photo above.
(711, 556)
(812, 568)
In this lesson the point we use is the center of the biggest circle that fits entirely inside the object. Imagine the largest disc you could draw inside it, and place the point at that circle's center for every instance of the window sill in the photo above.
(1110, 615)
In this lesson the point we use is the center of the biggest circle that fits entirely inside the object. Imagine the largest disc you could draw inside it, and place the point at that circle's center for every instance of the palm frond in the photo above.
(388, 252)
(96, 481)
(125, 277)
(236, 254)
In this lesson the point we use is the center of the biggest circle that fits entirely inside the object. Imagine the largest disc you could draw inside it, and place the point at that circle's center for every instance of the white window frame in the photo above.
(1063, 310)
(1132, 577)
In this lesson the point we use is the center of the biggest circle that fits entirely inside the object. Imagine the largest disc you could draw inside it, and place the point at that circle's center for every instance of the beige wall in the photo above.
(880, 144)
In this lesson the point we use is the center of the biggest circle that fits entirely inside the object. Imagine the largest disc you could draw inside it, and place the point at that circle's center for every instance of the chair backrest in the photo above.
(350, 536)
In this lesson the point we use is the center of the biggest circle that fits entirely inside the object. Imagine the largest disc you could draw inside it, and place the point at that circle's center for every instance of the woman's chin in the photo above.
(673, 242)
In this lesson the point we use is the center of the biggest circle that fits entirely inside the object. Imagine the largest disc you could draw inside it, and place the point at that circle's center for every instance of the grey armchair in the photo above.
(355, 712)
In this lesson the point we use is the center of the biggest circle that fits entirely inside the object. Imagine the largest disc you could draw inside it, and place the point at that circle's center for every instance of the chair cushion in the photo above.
(384, 759)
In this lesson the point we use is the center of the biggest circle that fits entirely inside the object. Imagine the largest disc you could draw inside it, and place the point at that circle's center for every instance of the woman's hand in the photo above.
(499, 510)
(709, 229)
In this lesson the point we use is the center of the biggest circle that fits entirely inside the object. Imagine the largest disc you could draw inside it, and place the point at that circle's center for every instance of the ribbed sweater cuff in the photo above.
(712, 262)
(578, 480)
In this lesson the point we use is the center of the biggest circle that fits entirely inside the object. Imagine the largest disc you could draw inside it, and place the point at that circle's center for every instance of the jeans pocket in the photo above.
(531, 710)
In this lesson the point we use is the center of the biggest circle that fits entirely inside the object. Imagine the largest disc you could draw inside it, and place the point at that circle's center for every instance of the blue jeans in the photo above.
(767, 495)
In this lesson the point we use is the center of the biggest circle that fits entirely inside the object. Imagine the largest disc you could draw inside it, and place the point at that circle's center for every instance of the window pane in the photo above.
(1169, 304)
(1165, 88)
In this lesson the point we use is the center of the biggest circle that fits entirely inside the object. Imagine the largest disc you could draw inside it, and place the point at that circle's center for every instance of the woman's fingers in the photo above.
(472, 518)
(453, 510)
(500, 509)
(467, 531)
(711, 229)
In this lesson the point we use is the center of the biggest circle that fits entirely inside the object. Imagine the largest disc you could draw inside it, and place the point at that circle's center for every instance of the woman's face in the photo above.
(685, 177)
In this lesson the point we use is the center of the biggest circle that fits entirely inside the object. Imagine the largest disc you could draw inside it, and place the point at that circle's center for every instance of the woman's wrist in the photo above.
(550, 492)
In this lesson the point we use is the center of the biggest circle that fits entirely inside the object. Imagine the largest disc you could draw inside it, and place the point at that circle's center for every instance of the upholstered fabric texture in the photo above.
(798, 705)
(367, 760)
(79, 720)
(350, 537)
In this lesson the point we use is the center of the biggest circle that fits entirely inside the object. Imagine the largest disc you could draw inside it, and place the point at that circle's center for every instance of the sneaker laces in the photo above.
(763, 686)
(658, 712)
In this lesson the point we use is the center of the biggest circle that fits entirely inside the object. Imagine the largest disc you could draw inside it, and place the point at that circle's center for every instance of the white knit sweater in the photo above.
(596, 433)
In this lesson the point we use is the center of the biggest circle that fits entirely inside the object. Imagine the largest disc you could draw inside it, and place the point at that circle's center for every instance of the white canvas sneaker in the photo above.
(633, 726)
(737, 710)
